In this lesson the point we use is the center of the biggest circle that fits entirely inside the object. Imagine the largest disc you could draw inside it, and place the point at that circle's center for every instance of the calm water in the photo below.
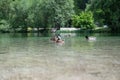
(38, 58)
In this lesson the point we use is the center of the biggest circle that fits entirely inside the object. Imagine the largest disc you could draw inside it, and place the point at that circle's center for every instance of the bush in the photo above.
(84, 20)
(4, 25)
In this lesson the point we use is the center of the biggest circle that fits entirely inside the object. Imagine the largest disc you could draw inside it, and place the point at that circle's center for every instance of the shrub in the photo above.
(84, 20)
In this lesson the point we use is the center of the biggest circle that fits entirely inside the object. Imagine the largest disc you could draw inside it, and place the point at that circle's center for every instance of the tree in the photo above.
(84, 20)
(4, 9)
(58, 12)
(107, 11)
(36, 14)
(80, 5)
(21, 14)
(4, 14)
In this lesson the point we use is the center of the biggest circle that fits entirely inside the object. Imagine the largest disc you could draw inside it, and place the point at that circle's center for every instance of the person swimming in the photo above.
(59, 39)
(54, 38)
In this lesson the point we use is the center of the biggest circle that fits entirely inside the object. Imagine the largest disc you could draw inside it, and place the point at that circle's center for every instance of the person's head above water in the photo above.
(58, 36)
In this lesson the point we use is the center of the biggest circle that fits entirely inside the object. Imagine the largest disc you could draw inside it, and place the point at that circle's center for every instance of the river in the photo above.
(33, 57)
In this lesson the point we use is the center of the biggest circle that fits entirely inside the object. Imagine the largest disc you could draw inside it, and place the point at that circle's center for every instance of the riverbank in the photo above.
(62, 30)
(78, 30)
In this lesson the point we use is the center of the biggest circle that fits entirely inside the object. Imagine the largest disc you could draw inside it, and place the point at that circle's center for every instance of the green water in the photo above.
(35, 57)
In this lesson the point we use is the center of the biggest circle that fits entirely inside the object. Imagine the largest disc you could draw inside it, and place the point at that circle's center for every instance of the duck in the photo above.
(91, 38)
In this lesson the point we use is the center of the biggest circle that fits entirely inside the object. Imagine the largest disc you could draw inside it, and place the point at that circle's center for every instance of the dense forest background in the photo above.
(26, 15)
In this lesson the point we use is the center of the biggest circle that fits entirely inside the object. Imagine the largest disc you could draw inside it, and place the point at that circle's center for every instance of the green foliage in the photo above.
(57, 12)
(4, 9)
(106, 11)
(80, 5)
(84, 20)
(4, 15)
(4, 25)
(20, 14)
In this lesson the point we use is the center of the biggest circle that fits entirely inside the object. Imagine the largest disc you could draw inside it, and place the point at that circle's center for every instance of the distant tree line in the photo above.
(106, 12)
(24, 15)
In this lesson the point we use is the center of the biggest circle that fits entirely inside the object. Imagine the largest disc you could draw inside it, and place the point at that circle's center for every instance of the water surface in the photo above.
(33, 57)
